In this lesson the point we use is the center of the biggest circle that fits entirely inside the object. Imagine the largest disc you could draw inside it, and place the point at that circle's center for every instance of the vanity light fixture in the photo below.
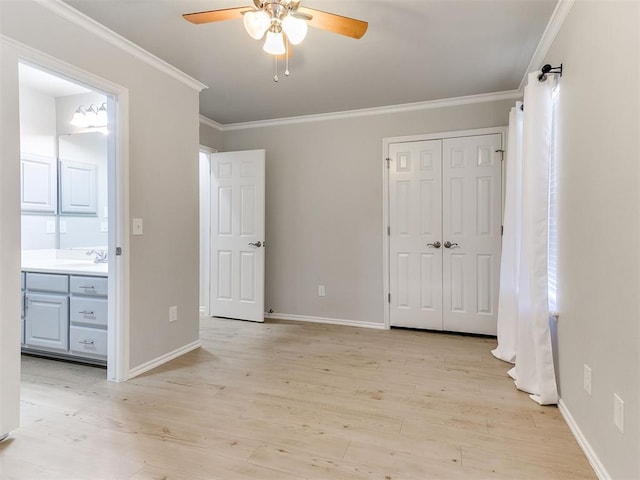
(90, 117)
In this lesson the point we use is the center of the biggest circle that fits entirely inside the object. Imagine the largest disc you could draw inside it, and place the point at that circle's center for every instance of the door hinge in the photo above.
(501, 230)
(118, 250)
(389, 298)
(388, 162)
(389, 231)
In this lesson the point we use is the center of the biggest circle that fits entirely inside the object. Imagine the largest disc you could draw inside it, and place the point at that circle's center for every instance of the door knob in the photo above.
(257, 244)
(434, 244)
(448, 244)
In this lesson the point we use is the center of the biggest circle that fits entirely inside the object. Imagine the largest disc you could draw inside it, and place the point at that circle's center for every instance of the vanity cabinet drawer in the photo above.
(88, 342)
(47, 282)
(90, 311)
(88, 285)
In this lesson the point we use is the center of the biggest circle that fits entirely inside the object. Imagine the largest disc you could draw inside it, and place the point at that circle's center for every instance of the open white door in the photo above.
(237, 234)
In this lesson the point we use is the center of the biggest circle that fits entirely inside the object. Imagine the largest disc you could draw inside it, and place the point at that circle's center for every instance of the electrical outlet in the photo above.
(51, 226)
(173, 313)
(321, 291)
(618, 412)
(63, 226)
(587, 379)
(104, 227)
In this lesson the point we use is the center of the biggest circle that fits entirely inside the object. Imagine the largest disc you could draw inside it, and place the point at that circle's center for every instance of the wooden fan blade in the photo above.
(216, 15)
(349, 27)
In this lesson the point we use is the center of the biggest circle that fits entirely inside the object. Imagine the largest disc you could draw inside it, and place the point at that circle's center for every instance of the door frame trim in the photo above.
(386, 281)
(205, 263)
(118, 331)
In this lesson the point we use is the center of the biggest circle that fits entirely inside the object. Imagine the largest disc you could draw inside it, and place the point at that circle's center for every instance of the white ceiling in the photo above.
(48, 84)
(413, 51)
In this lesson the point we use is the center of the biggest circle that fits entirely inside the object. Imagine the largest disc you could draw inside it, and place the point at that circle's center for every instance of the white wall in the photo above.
(324, 205)
(9, 243)
(211, 137)
(599, 233)
(163, 176)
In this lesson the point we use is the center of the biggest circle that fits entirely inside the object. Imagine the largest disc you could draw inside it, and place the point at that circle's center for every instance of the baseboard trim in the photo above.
(330, 321)
(595, 462)
(156, 362)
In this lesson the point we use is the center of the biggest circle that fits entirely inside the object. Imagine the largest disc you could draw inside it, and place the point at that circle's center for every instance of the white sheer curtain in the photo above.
(524, 290)
(510, 263)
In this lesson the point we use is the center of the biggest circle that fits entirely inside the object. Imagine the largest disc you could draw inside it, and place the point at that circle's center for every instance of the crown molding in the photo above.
(365, 112)
(559, 15)
(211, 123)
(69, 13)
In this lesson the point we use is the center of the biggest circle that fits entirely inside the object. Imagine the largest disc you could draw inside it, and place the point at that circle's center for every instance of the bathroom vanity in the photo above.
(64, 312)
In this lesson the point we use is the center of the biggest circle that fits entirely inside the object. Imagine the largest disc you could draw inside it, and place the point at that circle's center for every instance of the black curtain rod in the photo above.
(543, 75)
(548, 69)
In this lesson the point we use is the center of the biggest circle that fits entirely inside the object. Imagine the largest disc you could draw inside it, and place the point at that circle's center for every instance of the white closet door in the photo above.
(472, 220)
(238, 229)
(415, 206)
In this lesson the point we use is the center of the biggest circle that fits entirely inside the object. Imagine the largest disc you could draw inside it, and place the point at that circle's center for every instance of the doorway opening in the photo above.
(71, 220)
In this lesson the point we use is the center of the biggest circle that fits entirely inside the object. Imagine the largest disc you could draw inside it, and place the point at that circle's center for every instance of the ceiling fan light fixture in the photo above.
(295, 28)
(274, 43)
(256, 23)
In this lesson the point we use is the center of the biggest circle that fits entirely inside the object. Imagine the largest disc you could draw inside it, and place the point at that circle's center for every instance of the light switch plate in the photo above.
(104, 227)
(51, 226)
(173, 313)
(137, 226)
(63, 226)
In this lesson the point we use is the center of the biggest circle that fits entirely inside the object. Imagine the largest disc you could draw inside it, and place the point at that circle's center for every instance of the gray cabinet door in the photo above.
(78, 184)
(47, 321)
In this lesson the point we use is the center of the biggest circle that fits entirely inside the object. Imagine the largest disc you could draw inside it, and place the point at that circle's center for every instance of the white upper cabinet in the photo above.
(38, 181)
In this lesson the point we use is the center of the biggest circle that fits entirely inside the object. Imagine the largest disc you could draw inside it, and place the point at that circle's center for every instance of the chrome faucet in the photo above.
(100, 256)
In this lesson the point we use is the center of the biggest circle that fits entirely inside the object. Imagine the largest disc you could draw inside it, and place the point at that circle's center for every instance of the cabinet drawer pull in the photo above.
(88, 287)
(85, 312)
(86, 342)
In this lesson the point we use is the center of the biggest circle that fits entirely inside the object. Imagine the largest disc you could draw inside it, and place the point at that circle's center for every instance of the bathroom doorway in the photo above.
(71, 220)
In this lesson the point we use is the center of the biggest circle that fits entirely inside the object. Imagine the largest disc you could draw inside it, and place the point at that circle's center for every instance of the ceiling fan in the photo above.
(282, 20)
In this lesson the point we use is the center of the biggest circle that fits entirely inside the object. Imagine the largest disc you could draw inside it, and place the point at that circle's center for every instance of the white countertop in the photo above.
(64, 262)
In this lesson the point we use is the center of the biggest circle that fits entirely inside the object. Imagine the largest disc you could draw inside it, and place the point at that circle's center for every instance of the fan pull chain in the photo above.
(275, 77)
(286, 71)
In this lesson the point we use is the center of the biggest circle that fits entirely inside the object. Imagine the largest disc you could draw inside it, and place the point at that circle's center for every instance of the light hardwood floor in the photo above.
(283, 400)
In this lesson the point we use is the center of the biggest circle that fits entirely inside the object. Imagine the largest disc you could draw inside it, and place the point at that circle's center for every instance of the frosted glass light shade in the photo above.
(274, 44)
(103, 118)
(295, 28)
(92, 116)
(256, 23)
(79, 119)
